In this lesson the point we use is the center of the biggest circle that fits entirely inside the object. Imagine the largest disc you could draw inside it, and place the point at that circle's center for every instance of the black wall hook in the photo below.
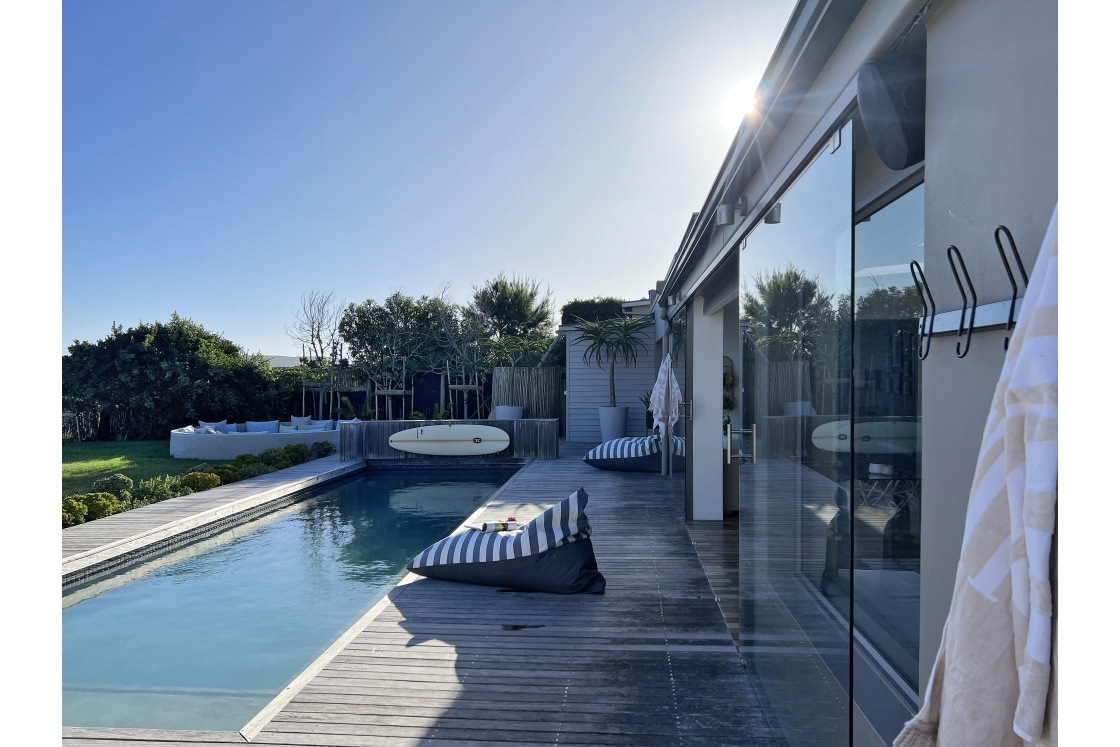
(1010, 276)
(964, 299)
(929, 311)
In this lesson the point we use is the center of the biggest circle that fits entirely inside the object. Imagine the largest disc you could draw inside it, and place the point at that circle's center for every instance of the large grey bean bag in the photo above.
(551, 553)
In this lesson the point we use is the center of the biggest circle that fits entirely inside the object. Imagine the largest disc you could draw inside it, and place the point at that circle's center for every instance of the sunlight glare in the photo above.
(738, 100)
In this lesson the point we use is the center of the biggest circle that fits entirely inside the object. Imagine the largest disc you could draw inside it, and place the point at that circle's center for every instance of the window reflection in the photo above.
(795, 332)
(887, 425)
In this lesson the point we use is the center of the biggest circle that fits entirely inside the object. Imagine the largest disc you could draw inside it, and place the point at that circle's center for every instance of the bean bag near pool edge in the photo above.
(552, 553)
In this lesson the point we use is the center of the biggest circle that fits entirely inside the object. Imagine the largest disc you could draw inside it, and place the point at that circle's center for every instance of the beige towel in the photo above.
(991, 679)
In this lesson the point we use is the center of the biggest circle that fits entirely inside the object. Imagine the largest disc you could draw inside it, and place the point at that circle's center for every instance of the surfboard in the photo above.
(453, 439)
(875, 437)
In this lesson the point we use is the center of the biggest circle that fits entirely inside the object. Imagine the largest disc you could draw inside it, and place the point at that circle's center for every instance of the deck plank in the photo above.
(649, 662)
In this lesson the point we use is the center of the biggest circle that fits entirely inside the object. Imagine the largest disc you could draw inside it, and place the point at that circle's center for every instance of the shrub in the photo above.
(254, 470)
(297, 453)
(346, 409)
(73, 511)
(99, 505)
(228, 473)
(241, 460)
(271, 456)
(591, 309)
(158, 489)
(198, 481)
(320, 449)
(117, 484)
(204, 467)
(282, 464)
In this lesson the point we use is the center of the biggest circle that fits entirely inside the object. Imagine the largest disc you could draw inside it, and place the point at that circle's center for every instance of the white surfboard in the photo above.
(453, 439)
(875, 437)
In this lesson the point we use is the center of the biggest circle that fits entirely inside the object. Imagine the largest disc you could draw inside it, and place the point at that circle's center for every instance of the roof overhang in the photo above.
(814, 30)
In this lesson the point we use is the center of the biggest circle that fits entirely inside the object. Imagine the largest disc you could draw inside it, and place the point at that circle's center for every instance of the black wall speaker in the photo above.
(891, 92)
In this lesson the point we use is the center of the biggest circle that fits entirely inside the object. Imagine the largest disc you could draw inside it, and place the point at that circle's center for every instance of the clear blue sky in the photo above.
(220, 158)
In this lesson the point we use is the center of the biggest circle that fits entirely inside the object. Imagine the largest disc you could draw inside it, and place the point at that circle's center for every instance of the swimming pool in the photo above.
(205, 635)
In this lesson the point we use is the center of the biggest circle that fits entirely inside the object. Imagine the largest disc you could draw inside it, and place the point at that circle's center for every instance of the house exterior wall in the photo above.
(991, 159)
(704, 481)
(588, 389)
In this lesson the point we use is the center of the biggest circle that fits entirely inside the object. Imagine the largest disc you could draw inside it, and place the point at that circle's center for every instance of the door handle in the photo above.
(753, 456)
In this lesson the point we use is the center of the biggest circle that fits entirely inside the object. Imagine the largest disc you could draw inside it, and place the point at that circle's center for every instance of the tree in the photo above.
(788, 316)
(612, 339)
(316, 329)
(512, 307)
(316, 326)
(395, 340)
(147, 380)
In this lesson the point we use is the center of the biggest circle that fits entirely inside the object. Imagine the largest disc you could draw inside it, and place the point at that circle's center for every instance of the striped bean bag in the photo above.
(637, 454)
(552, 553)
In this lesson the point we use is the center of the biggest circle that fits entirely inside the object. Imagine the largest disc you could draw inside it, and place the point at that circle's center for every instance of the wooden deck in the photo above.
(97, 545)
(649, 662)
(717, 546)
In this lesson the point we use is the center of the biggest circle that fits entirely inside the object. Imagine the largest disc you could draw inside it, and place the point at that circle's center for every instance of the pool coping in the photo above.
(277, 704)
(84, 565)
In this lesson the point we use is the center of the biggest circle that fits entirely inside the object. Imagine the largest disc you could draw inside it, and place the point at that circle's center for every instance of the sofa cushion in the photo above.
(232, 427)
(306, 428)
(327, 425)
(218, 426)
(288, 428)
(262, 426)
(305, 420)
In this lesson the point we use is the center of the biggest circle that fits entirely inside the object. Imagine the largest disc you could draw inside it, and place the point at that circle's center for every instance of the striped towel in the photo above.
(563, 523)
(632, 447)
(991, 679)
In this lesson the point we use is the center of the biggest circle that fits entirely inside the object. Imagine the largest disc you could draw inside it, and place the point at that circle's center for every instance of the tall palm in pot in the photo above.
(609, 341)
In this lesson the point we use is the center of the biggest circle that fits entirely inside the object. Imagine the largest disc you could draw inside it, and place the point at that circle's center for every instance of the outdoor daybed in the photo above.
(635, 454)
(221, 441)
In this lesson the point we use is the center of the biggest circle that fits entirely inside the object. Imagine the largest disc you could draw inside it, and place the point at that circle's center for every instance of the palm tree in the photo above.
(613, 339)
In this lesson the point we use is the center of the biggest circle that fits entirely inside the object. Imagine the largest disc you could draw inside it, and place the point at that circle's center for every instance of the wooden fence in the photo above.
(539, 390)
(539, 438)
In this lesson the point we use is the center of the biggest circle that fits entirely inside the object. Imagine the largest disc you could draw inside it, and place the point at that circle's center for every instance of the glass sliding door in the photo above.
(795, 540)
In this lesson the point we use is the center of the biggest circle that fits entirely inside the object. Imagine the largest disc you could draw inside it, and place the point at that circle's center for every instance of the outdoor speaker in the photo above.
(891, 92)
(725, 214)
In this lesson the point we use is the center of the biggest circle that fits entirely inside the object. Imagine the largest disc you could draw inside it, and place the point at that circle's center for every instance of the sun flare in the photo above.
(738, 100)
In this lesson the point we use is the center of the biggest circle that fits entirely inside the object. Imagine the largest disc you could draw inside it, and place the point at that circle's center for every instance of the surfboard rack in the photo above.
(964, 300)
(929, 311)
(1010, 276)
(972, 315)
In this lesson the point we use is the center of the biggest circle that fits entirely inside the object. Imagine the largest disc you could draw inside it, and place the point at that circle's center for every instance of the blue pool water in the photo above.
(204, 636)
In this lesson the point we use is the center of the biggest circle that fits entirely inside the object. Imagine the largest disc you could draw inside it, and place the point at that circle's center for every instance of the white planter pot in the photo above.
(612, 422)
(508, 412)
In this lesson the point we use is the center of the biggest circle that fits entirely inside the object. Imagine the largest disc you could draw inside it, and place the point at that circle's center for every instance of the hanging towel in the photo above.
(663, 419)
(991, 679)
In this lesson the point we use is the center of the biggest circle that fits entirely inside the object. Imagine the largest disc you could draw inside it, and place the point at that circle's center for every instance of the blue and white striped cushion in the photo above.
(563, 523)
(632, 447)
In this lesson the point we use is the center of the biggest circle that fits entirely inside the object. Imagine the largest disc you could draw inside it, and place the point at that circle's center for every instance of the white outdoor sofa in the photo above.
(192, 443)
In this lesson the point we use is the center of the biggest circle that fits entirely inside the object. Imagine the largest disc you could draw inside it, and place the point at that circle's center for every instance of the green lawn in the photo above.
(85, 462)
